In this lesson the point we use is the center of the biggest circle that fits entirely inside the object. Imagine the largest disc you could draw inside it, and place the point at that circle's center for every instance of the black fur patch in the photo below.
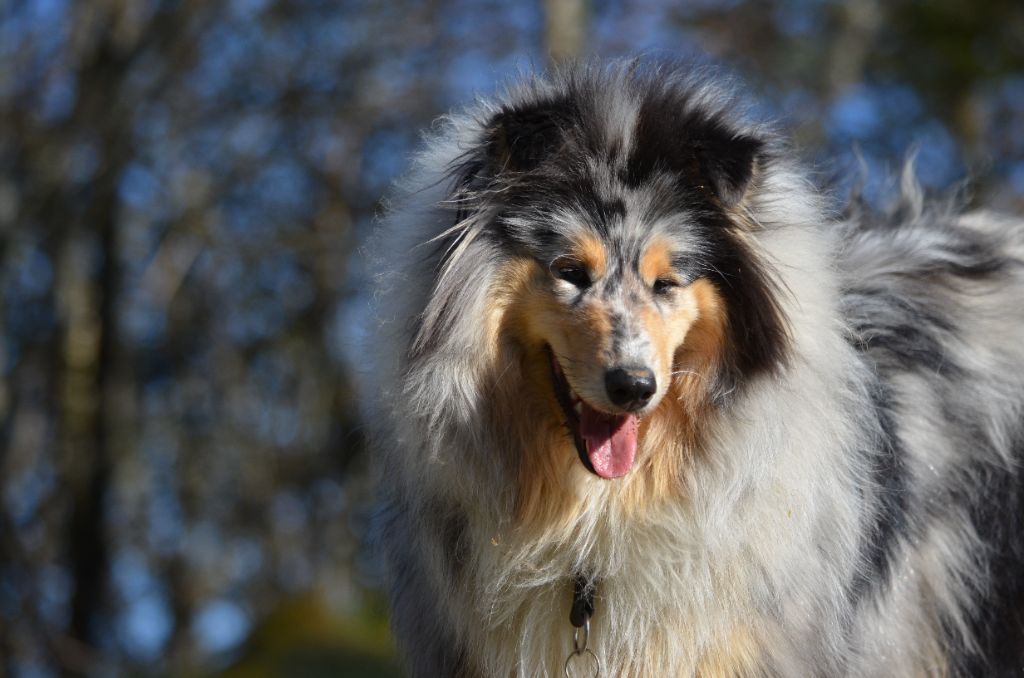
(758, 336)
(960, 252)
(890, 521)
(995, 500)
(975, 259)
(901, 332)
(702, 152)
(455, 541)
(521, 138)
(516, 143)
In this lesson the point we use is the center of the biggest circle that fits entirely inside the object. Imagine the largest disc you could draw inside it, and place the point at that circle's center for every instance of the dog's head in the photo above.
(631, 277)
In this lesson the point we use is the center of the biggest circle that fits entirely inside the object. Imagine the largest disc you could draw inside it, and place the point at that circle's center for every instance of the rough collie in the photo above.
(646, 405)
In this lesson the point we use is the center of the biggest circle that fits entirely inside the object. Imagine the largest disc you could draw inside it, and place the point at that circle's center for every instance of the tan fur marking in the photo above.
(735, 656)
(591, 252)
(656, 261)
(699, 356)
(934, 660)
(665, 450)
(525, 410)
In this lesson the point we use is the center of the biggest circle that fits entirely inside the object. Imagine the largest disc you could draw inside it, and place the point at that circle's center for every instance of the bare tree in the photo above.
(565, 28)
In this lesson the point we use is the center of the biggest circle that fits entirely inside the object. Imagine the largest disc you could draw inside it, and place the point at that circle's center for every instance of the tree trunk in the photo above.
(565, 29)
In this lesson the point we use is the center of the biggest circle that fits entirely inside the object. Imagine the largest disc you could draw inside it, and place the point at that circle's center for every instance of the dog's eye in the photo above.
(573, 274)
(663, 286)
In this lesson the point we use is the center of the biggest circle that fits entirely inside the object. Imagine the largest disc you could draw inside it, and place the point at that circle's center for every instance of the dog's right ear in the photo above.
(519, 138)
(516, 140)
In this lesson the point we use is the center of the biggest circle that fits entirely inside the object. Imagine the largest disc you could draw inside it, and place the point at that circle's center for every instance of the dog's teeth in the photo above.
(578, 406)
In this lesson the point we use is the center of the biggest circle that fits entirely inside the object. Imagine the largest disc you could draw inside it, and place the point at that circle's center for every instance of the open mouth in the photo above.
(606, 443)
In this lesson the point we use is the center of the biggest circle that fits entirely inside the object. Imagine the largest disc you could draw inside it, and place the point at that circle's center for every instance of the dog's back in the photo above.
(935, 304)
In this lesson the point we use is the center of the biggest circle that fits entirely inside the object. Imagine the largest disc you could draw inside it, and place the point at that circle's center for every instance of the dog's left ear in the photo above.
(728, 163)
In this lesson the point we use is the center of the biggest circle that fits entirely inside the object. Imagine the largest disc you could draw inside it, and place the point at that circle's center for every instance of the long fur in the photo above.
(828, 484)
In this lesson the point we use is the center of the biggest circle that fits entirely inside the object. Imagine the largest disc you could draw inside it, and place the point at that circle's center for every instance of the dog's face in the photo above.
(618, 323)
(637, 288)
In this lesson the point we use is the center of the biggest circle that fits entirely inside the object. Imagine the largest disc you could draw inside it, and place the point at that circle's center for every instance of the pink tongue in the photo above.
(611, 441)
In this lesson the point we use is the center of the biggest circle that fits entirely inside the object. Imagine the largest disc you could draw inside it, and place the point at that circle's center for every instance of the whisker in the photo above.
(567, 359)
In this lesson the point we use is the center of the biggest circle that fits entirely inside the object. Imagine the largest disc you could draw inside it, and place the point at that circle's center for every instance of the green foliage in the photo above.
(302, 638)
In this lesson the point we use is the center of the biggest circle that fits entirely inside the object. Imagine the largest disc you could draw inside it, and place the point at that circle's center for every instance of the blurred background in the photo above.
(184, 188)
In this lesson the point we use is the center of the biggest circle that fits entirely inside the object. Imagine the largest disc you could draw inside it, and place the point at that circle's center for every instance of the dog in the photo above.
(646, 403)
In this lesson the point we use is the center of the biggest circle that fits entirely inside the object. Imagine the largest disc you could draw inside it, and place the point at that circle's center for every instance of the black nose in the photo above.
(630, 388)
